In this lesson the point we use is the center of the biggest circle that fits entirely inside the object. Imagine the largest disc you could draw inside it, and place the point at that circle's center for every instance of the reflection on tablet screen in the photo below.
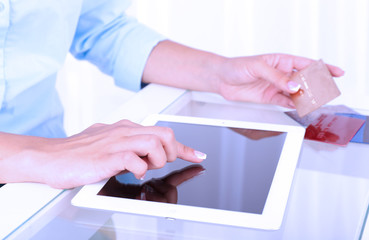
(236, 175)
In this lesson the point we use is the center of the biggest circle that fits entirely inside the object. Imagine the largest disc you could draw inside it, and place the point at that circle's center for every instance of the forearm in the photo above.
(179, 66)
(18, 158)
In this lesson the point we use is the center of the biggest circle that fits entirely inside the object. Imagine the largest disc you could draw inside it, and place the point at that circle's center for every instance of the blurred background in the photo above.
(336, 31)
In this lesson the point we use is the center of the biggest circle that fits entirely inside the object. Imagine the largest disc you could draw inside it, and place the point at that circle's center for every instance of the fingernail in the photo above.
(201, 172)
(200, 155)
(143, 177)
(293, 86)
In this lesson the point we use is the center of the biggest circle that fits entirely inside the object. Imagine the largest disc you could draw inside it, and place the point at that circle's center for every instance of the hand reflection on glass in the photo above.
(162, 189)
(255, 134)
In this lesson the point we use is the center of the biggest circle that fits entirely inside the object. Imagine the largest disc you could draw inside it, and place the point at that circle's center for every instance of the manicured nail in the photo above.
(293, 86)
(143, 177)
(201, 172)
(200, 155)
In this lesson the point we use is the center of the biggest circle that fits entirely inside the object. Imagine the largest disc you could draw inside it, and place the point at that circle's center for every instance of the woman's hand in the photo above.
(264, 78)
(99, 152)
(261, 79)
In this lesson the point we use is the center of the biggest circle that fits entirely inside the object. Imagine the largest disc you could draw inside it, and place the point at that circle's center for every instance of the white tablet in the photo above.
(245, 180)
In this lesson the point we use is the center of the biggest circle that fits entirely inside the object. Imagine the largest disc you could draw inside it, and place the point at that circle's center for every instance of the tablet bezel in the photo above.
(272, 215)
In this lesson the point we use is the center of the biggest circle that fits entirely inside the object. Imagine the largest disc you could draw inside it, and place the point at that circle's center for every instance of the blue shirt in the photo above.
(35, 37)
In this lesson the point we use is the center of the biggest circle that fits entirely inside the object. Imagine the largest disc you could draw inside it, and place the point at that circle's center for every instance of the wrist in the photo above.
(22, 159)
(219, 68)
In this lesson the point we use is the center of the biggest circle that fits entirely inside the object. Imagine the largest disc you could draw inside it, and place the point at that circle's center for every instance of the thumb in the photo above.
(280, 79)
(189, 154)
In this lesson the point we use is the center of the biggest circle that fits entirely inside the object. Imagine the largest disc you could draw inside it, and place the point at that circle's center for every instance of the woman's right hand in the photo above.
(99, 152)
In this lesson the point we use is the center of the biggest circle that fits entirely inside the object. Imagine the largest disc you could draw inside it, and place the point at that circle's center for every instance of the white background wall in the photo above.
(335, 30)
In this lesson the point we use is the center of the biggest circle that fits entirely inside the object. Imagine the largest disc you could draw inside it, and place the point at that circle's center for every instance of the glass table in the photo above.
(328, 199)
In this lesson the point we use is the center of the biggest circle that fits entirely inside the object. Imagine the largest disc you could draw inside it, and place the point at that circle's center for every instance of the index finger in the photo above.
(289, 63)
(189, 154)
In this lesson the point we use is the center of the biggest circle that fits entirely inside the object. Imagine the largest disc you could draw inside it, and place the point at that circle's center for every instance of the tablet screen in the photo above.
(236, 176)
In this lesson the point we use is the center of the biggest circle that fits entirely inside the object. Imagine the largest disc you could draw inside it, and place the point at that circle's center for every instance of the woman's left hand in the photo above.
(264, 78)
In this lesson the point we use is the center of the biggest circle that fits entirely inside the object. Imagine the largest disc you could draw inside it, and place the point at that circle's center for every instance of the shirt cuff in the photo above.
(133, 55)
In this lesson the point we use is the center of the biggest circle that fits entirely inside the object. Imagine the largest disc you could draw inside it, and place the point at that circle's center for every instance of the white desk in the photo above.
(328, 200)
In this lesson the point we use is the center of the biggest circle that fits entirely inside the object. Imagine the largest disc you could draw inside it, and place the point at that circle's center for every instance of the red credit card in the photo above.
(333, 129)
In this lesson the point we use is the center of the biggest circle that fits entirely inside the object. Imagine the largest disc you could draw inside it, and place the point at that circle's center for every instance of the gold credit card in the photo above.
(317, 88)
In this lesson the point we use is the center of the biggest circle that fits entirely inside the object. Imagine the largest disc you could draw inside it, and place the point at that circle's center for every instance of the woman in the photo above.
(35, 37)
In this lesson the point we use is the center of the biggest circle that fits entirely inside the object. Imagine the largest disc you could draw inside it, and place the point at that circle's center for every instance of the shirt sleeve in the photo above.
(116, 43)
